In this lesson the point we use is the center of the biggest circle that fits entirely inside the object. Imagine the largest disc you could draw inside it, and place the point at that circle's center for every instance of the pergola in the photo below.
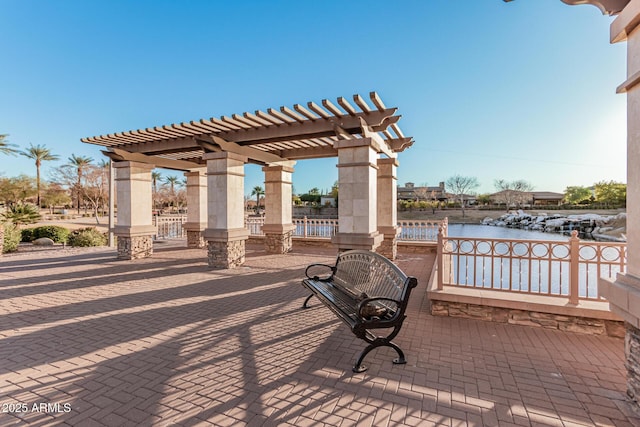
(364, 135)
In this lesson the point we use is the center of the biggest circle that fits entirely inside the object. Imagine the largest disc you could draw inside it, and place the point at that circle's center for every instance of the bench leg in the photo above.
(400, 360)
(304, 305)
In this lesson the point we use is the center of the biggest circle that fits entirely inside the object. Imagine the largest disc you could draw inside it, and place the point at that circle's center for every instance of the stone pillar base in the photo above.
(135, 247)
(389, 246)
(195, 239)
(279, 243)
(134, 242)
(349, 241)
(623, 295)
(226, 248)
(632, 353)
(278, 238)
(226, 254)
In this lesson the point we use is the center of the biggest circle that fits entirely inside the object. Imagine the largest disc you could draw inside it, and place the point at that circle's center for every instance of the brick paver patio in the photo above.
(88, 340)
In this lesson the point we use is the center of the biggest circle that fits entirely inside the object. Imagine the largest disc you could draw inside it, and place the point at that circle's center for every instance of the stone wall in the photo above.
(417, 247)
(134, 247)
(226, 254)
(530, 318)
(632, 352)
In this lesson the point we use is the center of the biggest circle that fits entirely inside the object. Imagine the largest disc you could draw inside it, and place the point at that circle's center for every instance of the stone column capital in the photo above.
(131, 164)
(199, 172)
(356, 142)
(388, 161)
(225, 155)
(277, 168)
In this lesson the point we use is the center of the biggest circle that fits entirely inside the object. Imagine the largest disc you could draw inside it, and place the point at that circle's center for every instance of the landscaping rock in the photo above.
(43, 241)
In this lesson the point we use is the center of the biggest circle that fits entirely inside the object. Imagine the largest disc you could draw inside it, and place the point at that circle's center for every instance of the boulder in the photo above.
(43, 241)
(488, 220)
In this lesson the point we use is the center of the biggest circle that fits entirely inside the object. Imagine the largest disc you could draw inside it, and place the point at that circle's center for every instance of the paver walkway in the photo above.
(89, 340)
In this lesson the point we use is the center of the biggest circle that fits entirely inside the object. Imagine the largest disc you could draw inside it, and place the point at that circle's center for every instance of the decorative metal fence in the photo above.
(315, 227)
(170, 227)
(539, 267)
(424, 231)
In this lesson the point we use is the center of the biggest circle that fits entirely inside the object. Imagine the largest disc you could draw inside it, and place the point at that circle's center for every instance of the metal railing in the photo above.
(419, 230)
(315, 227)
(170, 227)
(570, 269)
(254, 225)
(424, 231)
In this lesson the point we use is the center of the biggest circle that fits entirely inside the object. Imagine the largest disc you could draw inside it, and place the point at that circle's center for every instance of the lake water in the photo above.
(489, 231)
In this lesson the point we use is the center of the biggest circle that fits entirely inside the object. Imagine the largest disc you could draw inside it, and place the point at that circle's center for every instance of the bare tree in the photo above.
(93, 186)
(422, 193)
(462, 186)
(513, 193)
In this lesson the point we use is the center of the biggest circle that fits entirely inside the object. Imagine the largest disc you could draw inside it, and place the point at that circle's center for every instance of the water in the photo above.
(492, 232)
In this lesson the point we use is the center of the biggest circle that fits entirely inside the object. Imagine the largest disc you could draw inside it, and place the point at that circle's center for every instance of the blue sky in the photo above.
(494, 90)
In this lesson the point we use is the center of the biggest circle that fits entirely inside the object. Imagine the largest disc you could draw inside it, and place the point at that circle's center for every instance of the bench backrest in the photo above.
(372, 274)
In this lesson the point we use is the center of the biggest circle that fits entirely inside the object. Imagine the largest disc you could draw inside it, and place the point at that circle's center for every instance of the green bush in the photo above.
(27, 235)
(87, 237)
(11, 238)
(54, 232)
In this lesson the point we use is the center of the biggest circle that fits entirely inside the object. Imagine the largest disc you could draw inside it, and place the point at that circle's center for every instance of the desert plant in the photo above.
(85, 237)
(22, 214)
(11, 238)
(27, 235)
(54, 232)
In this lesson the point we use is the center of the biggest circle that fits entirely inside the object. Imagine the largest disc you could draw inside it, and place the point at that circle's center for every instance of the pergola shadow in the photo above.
(235, 347)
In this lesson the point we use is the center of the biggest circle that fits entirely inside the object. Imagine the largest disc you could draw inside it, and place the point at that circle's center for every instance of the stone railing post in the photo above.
(574, 268)
(304, 226)
(440, 257)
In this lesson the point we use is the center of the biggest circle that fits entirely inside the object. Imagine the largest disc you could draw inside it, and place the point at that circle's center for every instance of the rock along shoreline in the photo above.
(611, 228)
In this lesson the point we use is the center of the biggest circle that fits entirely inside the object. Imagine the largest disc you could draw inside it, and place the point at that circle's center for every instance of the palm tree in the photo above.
(39, 153)
(257, 191)
(155, 177)
(80, 163)
(5, 147)
(172, 180)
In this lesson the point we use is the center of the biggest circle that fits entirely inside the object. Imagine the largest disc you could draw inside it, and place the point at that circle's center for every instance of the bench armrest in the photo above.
(326, 275)
(364, 306)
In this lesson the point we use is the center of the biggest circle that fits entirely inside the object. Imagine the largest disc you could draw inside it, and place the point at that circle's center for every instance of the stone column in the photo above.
(624, 293)
(134, 228)
(225, 233)
(196, 208)
(278, 227)
(357, 178)
(388, 207)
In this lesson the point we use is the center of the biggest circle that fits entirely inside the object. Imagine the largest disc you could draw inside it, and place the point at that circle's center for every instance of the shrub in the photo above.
(22, 214)
(11, 238)
(54, 232)
(26, 235)
(87, 237)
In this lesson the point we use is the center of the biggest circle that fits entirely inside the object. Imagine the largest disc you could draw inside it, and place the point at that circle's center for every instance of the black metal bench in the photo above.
(366, 291)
